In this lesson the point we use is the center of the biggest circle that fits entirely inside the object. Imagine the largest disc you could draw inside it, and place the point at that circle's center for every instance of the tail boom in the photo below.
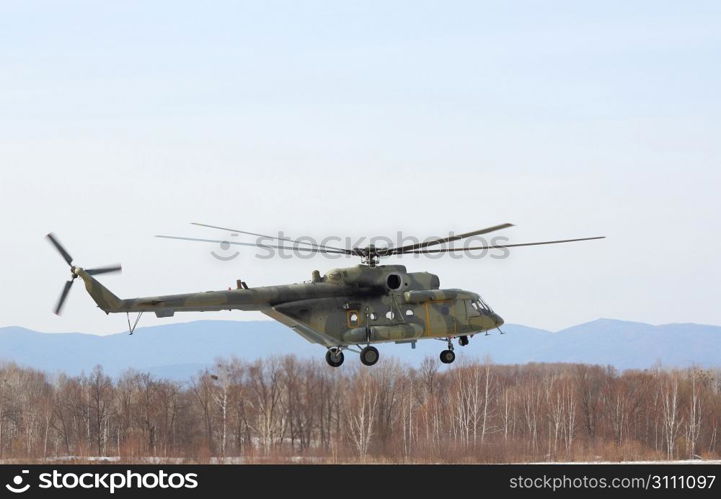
(105, 298)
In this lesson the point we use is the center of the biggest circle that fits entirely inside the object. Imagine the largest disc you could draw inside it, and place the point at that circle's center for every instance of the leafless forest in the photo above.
(290, 410)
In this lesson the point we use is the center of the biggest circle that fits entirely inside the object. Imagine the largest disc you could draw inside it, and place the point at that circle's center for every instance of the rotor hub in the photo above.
(369, 255)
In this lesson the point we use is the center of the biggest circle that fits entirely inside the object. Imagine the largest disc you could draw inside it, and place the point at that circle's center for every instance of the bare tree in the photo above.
(693, 426)
(360, 413)
(202, 388)
(670, 416)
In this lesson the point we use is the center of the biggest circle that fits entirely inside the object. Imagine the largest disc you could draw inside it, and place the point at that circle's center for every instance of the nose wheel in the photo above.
(334, 357)
(447, 356)
(369, 356)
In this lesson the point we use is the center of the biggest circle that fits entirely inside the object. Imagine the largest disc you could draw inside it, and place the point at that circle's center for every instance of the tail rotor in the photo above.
(74, 271)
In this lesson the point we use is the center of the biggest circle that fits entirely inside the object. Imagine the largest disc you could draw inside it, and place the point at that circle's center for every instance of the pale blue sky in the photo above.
(125, 119)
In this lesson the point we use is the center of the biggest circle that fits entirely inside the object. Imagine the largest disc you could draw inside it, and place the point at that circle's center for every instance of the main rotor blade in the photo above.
(412, 248)
(259, 245)
(63, 296)
(104, 270)
(51, 237)
(286, 239)
(495, 246)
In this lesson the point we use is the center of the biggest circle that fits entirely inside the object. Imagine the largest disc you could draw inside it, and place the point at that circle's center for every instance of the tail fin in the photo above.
(105, 299)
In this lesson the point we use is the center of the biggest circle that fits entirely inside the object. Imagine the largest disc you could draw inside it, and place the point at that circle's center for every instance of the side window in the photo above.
(473, 308)
(390, 315)
(409, 312)
(353, 318)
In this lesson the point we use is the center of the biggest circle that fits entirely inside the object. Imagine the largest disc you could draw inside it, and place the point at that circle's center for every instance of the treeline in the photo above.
(285, 408)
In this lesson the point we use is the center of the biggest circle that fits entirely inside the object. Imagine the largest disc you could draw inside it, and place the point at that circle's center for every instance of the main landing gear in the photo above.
(448, 356)
(369, 356)
(334, 357)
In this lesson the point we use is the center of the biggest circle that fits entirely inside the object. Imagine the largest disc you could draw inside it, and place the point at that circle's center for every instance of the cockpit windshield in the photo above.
(485, 306)
(480, 306)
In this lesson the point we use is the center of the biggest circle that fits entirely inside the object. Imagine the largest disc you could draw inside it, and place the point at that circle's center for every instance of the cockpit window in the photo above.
(480, 307)
(483, 306)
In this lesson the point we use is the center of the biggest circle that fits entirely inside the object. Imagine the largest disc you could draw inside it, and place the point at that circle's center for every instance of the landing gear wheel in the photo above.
(447, 356)
(369, 356)
(334, 357)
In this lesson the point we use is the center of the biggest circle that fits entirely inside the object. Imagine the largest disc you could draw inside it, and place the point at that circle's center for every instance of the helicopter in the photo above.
(346, 309)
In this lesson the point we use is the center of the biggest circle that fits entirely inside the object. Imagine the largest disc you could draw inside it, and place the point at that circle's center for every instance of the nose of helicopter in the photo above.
(497, 319)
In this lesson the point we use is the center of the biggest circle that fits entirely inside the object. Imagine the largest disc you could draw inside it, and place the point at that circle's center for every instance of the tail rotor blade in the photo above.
(51, 237)
(104, 270)
(63, 296)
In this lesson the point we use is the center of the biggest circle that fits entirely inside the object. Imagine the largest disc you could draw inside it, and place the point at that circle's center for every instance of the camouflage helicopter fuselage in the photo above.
(361, 305)
(357, 305)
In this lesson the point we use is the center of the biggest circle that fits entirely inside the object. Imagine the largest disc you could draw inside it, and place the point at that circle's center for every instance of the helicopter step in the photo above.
(396, 332)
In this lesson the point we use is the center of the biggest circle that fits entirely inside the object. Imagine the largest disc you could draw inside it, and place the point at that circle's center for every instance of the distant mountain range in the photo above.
(178, 351)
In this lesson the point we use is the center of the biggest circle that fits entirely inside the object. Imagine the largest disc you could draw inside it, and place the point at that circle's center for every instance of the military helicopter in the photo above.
(349, 308)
